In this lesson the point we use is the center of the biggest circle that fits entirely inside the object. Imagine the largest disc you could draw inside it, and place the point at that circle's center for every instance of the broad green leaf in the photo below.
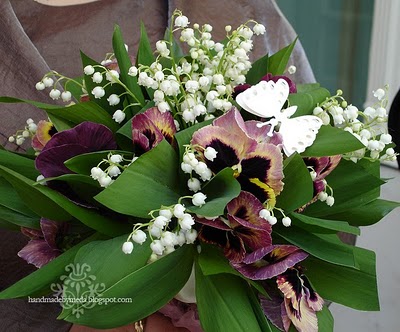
(298, 189)
(258, 69)
(18, 163)
(50, 204)
(59, 123)
(224, 304)
(124, 63)
(90, 85)
(367, 214)
(19, 219)
(309, 223)
(219, 191)
(332, 141)
(352, 186)
(278, 61)
(145, 54)
(325, 246)
(264, 324)
(4, 224)
(149, 287)
(306, 101)
(39, 282)
(325, 320)
(353, 288)
(147, 184)
(87, 111)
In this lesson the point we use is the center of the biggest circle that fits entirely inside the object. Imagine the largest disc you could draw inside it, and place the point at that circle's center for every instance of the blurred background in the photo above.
(354, 45)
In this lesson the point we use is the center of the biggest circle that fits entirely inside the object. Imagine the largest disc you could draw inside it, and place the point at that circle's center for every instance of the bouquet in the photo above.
(191, 178)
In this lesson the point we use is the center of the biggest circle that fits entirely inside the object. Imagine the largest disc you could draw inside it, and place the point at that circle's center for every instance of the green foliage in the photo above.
(278, 62)
(308, 96)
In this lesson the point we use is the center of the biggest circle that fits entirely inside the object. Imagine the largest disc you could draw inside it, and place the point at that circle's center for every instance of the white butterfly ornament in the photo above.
(266, 100)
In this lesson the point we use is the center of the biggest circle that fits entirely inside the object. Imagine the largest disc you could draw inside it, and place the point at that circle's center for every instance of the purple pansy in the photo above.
(150, 128)
(43, 246)
(255, 157)
(244, 230)
(268, 262)
(84, 138)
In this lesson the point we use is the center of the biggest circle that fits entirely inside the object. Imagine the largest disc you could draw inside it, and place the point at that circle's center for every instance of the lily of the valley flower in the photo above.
(255, 157)
(244, 230)
(150, 128)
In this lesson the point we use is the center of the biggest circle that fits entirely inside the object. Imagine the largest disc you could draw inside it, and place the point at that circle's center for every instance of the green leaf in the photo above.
(278, 61)
(87, 111)
(309, 223)
(124, 63)
(168, 275)
(298, 189)
(367, 214)
(332, 141)
(258, 69)
(145, 54)
(325, 320)
(223, 303)
(90, 85)
(18, 163)
(38, 282)
(50, 204)
(307, 100)
(353, 288)
(352, 186)
(259, 313)
(147, 184)
(325, 246)
(18, 219)
(219, 191)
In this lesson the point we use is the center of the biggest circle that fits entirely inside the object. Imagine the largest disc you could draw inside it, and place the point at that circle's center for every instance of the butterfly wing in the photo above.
(299, 133)
(264, 99)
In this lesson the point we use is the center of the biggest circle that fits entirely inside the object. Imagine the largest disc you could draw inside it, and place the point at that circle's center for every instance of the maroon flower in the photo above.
(269, 262)
(44, 244)
(150, 128)
(84, 138)
(244, 230)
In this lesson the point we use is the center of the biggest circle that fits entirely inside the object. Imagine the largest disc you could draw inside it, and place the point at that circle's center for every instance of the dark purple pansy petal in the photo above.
(273, 310)
(38, 253)
(33, 234)
(270, 77)
(84, 138)
(269, 262)
(149, 129)
(239, 89)
(51, 229)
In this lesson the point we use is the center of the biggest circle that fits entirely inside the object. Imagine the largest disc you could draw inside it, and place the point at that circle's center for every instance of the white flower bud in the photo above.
(55, 94)
(380, 93)
(48, 82)
(210, 153)
(200, 168)
(259, 29)
(11, 139)
(96, 173)
(25, 134)
(286, 221)
(127, 247)
(186, 168)
(98, 92)
(160, 222)
(167, 213)
(88, 70)
(163, 106)
(179, 210)
(114, 171)
(386, 138)
(157, 247)
(186, 222)
(155, 231)
(118, 116)
(116, 158)
(113, 100)
(105, 181)
(112, 76)
(194, 184)
(272, 220)
(292, 69)
(191, 236)
(97, 77)
(199, 199)
(264, 213)
(40, 86)
(139, 236)
(181, 21)
(330, 200)
(133, 71)
(322, 196)
(66, 96)
(168, 239)
(32, 127)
